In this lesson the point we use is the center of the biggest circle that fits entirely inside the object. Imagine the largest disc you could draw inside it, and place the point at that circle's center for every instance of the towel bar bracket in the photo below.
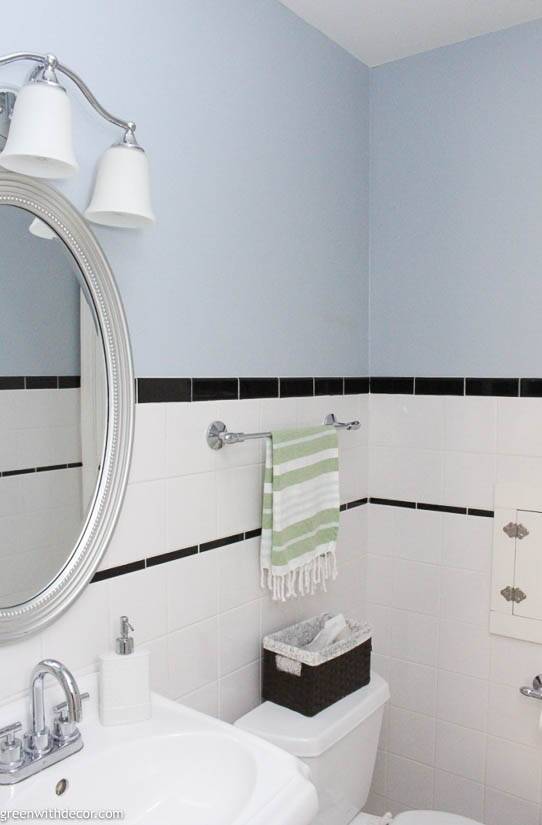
(218, 434)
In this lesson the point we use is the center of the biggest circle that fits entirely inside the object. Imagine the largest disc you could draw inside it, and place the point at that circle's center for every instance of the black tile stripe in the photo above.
(384, 384)
(474, 511)
(39, 382)
(492, 386)
(439, 386)
(158, 390)
(121, 570)
(296, 387)
(25, 470)
(329, 386)
(530, 387)
(163, 558)
(442, 508)
(437, 508)
(215, 389)
(11, 383)
(358, 503)
(66, 382)
(258, 387)
(392, 502)
(216, 543)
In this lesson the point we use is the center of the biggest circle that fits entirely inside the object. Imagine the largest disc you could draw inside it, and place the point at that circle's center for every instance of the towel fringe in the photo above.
(305, 580)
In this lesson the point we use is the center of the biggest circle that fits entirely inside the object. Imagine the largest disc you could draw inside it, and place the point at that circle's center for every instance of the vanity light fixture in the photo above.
(39, 144)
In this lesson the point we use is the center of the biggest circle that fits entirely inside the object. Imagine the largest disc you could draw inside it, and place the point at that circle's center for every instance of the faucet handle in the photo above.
(11, 747)
(64, 730)
(63, 706)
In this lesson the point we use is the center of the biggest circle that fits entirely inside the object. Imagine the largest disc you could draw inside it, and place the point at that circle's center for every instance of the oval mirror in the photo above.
(66, 404)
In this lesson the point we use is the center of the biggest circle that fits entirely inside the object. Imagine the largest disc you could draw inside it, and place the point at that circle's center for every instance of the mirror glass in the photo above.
(53, 399)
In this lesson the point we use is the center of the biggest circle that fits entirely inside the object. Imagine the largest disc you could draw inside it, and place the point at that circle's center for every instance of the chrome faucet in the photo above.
(41, 748)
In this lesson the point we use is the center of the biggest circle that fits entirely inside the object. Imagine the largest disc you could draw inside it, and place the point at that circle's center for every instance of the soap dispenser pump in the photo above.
(125, 642)
(125, 681)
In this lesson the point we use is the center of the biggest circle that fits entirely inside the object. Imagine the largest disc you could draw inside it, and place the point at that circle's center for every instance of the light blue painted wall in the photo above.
(257, 131)
(456, 282)
(39, 301)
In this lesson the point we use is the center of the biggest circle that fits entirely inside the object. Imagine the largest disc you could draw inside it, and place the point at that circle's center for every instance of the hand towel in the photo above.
(300, 519)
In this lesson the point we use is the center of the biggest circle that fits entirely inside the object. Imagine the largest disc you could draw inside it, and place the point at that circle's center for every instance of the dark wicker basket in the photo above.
(317, 687)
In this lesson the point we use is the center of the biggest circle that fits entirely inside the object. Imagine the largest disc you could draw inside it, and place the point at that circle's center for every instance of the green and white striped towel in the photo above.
(300, 519)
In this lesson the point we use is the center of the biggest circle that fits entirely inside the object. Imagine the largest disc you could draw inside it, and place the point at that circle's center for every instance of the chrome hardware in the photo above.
(125, 643)
(11, 747)
(515, 531)
(513, 594)
(39, 748)
(536, 691)
(63, 729)
(218, 434)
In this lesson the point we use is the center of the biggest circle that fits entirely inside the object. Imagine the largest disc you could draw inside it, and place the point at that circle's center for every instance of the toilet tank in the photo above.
(339, 745)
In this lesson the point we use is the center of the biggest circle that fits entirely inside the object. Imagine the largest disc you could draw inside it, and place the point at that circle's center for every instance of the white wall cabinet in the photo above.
(516, 589)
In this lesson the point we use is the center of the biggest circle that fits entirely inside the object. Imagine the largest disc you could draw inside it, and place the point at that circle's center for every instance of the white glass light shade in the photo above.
(40, 141)
(42, 230)
(121, 194)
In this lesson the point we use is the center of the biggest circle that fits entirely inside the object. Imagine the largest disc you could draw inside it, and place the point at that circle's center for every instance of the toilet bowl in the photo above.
(339, 745)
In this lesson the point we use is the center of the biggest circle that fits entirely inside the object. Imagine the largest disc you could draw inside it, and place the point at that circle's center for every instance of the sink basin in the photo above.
(178, 768)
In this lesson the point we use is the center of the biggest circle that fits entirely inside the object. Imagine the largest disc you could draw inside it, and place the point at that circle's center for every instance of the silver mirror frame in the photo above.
(48, 204)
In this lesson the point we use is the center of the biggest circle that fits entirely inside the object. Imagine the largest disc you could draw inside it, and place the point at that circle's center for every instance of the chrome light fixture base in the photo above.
(7, 103)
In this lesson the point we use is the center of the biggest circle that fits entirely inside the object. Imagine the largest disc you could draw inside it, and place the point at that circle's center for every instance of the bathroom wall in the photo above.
(31, 343)
(184, 561)
(459, 736)
(455, 291)
(257, 132)
(456, 181)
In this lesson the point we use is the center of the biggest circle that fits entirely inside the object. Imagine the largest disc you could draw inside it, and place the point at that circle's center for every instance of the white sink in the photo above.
(179, 768)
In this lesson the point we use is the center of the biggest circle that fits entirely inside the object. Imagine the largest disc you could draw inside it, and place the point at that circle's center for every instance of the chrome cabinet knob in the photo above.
(11, 747)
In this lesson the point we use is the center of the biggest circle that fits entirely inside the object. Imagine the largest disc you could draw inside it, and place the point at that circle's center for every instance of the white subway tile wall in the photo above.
(203, 616)
(459, 736)
(40, 513)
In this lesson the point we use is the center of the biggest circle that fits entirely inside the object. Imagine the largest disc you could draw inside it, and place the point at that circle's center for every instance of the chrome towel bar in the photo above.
(218, 434)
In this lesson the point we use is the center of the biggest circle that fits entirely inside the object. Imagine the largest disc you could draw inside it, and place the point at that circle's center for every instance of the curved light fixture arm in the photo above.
(45, 59)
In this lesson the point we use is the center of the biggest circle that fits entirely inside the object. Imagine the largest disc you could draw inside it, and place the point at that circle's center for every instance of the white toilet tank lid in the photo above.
(312, 735)
(431, 818)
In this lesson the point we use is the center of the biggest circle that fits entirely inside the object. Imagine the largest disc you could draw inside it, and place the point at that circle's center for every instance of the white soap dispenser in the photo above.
(125, 694)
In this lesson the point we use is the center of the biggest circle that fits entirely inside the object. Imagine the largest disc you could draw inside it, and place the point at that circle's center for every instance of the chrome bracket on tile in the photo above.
(536, 691)
(515, 531)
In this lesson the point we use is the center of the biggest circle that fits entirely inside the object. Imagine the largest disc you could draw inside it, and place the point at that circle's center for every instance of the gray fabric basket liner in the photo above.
(290, 641)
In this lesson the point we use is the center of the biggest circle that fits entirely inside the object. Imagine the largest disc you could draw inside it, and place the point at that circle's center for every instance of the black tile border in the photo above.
(121, 570)
(296, 387)
(388, 385)
(329, 386)
(184, 552)
(393, 502)
(258, 388)
(226, 541)
(39, 382)
(505, 387)
(215, 389)
(530, 387)
(160, 390)
(436, 508)
(439, 386)
(26, 470)
(163, 390)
